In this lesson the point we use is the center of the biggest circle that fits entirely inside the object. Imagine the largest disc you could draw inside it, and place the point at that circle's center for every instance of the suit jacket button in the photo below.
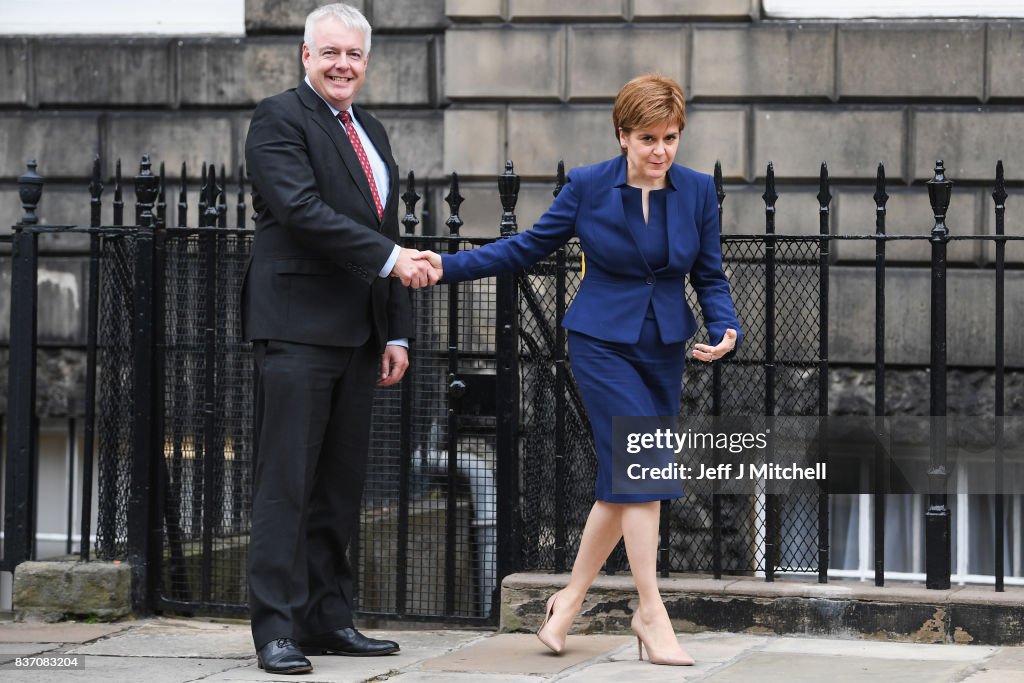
(650, 280)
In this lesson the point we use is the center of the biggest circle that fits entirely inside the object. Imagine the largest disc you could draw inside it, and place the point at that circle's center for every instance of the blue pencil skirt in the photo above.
(615, 380)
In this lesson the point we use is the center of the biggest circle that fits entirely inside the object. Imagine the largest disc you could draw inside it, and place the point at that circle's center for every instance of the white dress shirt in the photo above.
(381, 178)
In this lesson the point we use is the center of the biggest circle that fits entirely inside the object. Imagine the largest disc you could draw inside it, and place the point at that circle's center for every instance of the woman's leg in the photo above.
(600, 534)
(640, 531)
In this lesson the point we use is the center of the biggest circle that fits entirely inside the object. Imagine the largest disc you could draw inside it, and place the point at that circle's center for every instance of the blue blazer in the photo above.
(618, 286)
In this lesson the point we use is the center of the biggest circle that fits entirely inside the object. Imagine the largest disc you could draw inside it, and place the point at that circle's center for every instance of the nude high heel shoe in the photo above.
(550, 640)
(678, 658)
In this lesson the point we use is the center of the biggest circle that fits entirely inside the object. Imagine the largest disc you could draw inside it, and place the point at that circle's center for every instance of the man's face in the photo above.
(336, 62)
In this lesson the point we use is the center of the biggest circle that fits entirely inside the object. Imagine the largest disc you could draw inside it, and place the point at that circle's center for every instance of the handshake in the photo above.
(417, 268)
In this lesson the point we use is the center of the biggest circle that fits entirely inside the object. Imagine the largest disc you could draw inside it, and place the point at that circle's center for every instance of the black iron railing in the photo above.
(481, 461)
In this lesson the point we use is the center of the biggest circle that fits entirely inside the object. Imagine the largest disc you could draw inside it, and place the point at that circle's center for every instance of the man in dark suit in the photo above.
(325, 308)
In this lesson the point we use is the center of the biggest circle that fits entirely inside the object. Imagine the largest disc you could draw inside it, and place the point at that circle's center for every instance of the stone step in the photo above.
(899, 611)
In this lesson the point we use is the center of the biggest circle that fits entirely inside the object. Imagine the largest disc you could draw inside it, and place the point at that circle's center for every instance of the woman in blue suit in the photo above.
(644, 223)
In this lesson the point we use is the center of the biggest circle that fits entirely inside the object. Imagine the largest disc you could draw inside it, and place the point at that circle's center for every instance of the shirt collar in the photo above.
(334, 111)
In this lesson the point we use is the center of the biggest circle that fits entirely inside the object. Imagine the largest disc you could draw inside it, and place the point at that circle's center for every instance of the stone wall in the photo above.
(464, 84)
(534, 81)
(63, 100)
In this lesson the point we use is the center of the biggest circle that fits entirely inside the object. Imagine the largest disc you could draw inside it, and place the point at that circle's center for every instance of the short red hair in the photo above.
(648, 100)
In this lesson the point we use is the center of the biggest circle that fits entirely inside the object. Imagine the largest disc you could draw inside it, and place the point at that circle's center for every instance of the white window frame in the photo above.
(892, 9)
(123, 17)
(961, 574)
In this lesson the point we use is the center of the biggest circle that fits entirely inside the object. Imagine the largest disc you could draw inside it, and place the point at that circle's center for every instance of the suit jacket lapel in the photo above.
(332, 126)
(609, 194)
(672, 214)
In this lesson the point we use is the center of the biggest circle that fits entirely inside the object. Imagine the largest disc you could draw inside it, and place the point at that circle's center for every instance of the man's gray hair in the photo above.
(349, 16)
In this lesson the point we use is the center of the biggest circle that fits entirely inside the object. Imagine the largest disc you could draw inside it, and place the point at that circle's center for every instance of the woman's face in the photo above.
(650, 151)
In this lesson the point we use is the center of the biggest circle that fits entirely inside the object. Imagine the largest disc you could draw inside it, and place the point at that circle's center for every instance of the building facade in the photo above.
(463, 85)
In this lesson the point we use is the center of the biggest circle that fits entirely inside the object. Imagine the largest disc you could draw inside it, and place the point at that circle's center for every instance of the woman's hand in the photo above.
(709, 353)
(435, 263)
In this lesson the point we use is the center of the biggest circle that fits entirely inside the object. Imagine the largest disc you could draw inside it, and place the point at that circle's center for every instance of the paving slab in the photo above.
(183, 639)
(994, 677)
(1007, 658)
(635, 671)
(325, 670)
(710, 651)
(168, 650)
(775, 667)
(517, 653)
(451, 677)
(68, 632)
(640, 672)
(10, 651)
(859, 648)
(707, 648)
(117, 669)
(417, 646)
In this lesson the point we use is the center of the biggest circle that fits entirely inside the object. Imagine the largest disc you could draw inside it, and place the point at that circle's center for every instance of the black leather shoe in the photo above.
(347, 642)
(282, 656)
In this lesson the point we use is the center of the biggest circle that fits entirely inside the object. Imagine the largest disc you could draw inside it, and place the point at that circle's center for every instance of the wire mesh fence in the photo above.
(428, 541)
(557, 469)
(205, 371)
(116, 391)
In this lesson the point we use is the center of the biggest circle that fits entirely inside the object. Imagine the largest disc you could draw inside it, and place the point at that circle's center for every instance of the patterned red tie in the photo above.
(353, 137)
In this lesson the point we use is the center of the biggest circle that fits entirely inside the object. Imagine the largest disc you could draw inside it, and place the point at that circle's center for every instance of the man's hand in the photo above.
(413, 269)
(393, 364)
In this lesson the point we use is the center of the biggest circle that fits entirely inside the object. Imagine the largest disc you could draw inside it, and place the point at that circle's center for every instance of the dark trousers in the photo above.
(312, 431)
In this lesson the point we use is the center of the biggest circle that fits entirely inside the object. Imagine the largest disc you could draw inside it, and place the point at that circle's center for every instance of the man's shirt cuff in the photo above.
(390, 264)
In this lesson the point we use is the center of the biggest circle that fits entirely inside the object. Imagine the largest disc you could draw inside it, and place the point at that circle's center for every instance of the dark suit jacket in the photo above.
(313, 274)
(618, 285)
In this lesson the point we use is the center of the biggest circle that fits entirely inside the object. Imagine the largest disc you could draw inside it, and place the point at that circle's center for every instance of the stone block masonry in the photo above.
(283, 16)
(852, 141)
(770, 61)
(1005, 59)
(64, 142)
(51, 591)
(907, 61)
(14, 72)
(463, 85)
(602, 58)
(237, 73)
(103, 73)
(736, 10)
(971, 139)
(171, 138)
(475, 69)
